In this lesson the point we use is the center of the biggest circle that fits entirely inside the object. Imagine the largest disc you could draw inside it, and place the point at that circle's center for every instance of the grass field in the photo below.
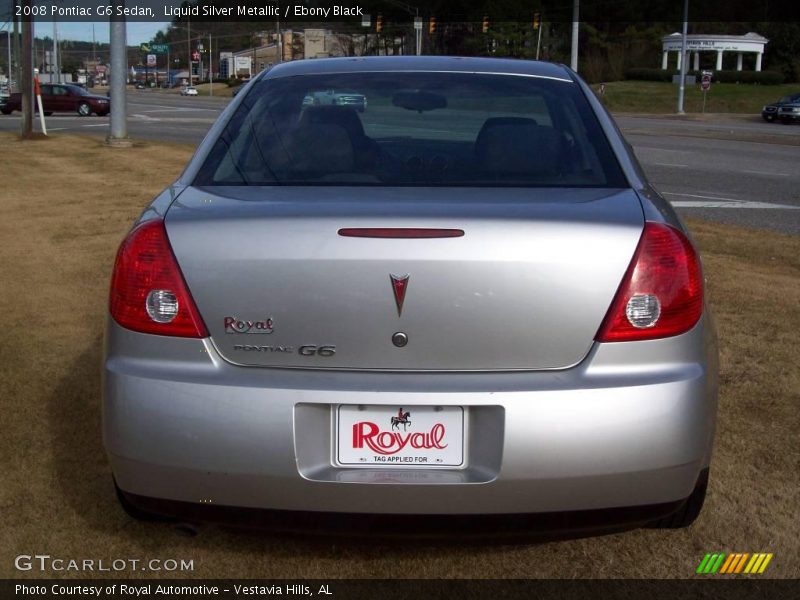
(660, 97)
(65, 204)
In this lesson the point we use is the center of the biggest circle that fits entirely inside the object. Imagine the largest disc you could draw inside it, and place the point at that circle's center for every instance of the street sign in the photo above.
(366, 20)
(151, 60)
(705, 82)
(705, 85)
(159, 48)
(144, 48)
(195, 56)
(418, 23)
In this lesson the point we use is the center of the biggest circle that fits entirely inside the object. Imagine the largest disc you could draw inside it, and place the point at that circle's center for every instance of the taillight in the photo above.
(661, 294)
(148, 293)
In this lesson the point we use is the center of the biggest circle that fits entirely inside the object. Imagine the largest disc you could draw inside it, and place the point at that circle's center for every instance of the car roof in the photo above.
(450, 64)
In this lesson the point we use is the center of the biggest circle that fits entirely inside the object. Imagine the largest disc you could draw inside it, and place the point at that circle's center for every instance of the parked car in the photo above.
(469, 302)
(789, 113)
(770, 112)
(189, 91)
(139, 85)
(64, 98)
(334, 98)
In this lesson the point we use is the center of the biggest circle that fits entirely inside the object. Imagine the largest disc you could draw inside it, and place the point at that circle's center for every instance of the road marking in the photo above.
(145, 117)
(766, 173)
(670, 165)
(96, 125)
(717, 202)
(703, 197)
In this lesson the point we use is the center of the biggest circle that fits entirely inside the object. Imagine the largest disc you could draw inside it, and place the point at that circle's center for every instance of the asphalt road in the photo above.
(727, 169)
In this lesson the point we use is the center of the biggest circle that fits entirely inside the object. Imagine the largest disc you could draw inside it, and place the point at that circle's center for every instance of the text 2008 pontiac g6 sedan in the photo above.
(466, 300)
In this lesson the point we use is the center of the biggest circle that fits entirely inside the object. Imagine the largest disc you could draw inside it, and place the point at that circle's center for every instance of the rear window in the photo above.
(417, 129)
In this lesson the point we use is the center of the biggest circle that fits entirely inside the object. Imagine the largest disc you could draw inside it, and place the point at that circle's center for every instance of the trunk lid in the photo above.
(526, 286)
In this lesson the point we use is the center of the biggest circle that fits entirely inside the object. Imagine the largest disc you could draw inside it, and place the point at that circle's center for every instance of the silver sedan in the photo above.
(464, 301)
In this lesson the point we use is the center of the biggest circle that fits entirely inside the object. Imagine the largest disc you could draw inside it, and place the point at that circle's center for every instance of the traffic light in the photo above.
(486, 24)
(379, 23)
(432, 25)
(537, 20)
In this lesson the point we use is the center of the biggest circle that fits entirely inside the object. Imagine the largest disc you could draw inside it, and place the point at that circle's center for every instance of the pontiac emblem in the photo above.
(399, 287)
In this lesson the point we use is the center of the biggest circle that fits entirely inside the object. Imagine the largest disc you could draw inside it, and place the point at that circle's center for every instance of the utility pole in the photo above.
(279, 41)
(210, 68)
(118, 134)
(682, 84)
(17, 55)
(573, 58)
(56, 68)
(8, 70)
(26, 84)
(189, 44)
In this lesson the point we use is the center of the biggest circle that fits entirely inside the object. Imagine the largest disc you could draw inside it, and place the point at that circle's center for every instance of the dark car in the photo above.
(770, 112)
(64, 98)
(789, 113)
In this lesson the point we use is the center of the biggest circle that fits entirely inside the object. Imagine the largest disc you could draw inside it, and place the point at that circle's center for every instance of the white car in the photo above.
(189, 91)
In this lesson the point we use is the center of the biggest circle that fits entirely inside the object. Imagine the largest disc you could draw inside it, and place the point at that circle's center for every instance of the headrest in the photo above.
(320, 148)
(343, 116)
(512, 145)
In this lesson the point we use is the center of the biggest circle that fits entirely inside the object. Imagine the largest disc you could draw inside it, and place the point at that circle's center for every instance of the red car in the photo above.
(64, 97)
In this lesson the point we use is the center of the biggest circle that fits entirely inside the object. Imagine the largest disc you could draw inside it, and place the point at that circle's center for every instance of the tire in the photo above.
(84, 110)
(137, 513)
(5, 111)
(690, 510)
(785, 121)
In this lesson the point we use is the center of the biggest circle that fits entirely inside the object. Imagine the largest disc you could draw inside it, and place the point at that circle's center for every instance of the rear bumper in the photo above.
(539, 526)
(632, 426)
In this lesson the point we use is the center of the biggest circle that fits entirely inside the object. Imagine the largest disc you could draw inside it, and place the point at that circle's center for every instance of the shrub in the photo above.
(757, 77)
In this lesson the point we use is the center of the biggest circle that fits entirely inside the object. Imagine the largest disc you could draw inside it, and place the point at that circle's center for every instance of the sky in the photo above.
(137, 32)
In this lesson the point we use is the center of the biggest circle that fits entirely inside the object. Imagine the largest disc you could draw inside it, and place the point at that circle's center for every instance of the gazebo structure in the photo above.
(750, 42)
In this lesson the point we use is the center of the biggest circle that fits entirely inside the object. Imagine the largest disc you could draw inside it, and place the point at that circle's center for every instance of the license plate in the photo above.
(393, 436)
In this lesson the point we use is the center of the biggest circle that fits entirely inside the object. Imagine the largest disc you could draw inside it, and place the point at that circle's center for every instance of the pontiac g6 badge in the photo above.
(399, 286)
(234, 325)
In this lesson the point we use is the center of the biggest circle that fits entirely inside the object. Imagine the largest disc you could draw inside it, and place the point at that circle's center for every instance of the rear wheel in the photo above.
(689, 512)
(785, 121)
(6, 111)
(84, 110)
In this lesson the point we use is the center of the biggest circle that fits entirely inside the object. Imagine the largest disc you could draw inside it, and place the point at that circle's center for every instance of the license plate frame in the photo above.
(433, 437)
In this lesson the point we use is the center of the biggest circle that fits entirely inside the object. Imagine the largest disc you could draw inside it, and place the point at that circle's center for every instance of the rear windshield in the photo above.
(417, 129)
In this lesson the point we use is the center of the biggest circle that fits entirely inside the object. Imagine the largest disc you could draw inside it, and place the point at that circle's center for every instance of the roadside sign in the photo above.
(418, 23)
(151, 60)
(144, 48)
(195, 56)
(159, 48)
(705, 85)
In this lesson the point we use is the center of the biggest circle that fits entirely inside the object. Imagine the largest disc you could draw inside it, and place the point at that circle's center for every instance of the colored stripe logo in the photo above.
(734, 563)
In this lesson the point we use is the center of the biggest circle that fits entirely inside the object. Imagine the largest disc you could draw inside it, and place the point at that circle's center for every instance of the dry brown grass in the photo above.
(65, 205)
